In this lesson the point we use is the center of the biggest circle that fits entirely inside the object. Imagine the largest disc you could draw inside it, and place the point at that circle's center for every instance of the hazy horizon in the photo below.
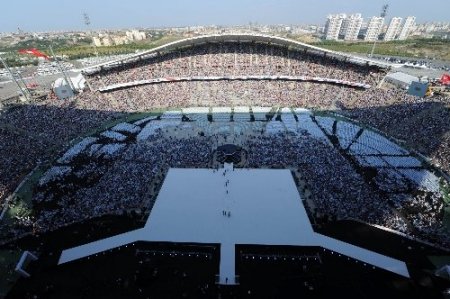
(50, 15)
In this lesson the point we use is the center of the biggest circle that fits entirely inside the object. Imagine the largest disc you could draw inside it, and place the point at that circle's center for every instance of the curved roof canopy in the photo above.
(239, 38)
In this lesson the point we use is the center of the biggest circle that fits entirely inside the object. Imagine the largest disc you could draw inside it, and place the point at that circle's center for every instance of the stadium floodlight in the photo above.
(383, 14)
(87, 22)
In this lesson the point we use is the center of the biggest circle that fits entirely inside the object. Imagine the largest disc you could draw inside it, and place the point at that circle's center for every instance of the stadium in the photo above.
(234, 165)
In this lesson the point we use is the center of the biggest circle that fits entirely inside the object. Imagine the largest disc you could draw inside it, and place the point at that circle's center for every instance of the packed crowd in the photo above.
(424, 125)
(236, 59)
(228, 93)
(342, 192)
(338, 190)
(321, 166)
(129, 182)
(424, 213)
(245, 93)
(381, 108)
(129, 178)
(402, 116)
(31, 134)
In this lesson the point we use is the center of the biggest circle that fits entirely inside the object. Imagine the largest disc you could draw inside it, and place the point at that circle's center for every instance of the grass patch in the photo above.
(16, 208)
(446, 220)
(82, 51)
(21, 205)
(418, 48)
(445, 189)
(8, 261)
(25, 193)
(439, 260)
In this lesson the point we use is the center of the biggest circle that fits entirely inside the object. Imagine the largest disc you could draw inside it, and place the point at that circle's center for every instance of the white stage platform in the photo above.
(264, 205)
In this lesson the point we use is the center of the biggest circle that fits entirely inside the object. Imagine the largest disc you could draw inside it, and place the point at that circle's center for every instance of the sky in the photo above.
(52, 15)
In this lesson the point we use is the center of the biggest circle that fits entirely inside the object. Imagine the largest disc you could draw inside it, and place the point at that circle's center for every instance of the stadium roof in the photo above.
(400, 78)
(259, 38)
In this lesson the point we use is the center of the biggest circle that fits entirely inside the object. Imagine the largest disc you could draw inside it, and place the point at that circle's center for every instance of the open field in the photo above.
(77, 52)
(417, 48)
(80, 50)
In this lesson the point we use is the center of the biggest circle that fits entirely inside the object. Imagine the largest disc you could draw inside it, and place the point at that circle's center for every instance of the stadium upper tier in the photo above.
(226, 58)
(234, 38)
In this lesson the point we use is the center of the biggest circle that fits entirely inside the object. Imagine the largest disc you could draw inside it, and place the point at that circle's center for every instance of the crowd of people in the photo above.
(245, 93)
(33, 134)
(127, 183)
(30, 134)
(341, 190)
(219, 59)
(424, 124)
(236, 59)
(99, 185)
(423, 213)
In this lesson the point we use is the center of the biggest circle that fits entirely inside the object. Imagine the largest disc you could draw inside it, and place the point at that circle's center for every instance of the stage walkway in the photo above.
(228, 207)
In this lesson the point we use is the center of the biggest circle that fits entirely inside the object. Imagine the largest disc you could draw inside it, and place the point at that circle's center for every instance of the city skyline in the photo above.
(49, 15)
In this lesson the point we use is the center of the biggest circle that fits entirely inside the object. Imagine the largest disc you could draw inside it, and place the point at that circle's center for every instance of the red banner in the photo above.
(445, 79)
(33, 52)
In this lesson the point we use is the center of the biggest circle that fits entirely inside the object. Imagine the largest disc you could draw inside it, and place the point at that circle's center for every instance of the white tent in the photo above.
(63, 90)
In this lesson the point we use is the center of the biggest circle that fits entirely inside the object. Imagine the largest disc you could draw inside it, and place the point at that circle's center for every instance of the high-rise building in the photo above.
(393, 29)
(374, 28)
(135, 35)
(97, 41)
(120, 40)
(107, 41)
(351, 26)
(407, 28)
(333, 26)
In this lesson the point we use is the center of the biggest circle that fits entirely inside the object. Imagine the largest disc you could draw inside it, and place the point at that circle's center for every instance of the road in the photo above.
(9, 89)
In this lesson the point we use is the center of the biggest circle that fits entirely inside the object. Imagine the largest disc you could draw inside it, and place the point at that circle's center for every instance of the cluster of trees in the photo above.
(76, 50)
(13, 62)
(14, 59)
(82, 51)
